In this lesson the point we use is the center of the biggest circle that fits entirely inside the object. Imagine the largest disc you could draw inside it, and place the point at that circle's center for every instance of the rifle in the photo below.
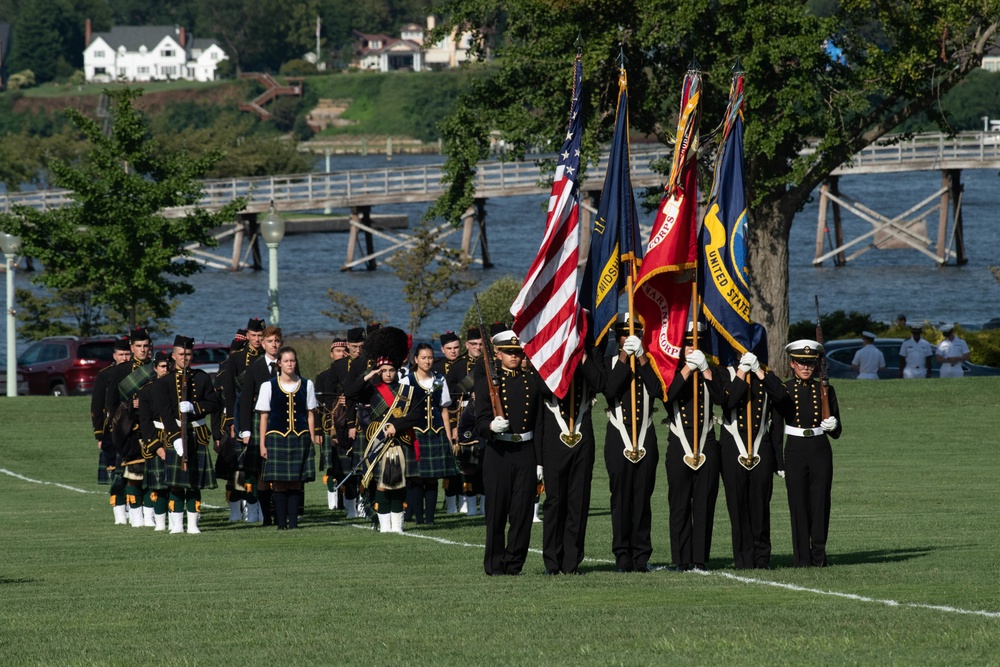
(188, 462)
(824, 371)
(492, 378)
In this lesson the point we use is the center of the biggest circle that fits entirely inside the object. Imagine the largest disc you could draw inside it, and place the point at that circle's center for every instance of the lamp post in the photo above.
(272, 228)
(11, 245)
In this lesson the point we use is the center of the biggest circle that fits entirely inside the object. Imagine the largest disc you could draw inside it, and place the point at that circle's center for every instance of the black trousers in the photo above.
(569, 473)
(509, 480)
(632, 487)
(809, 479)
(748, 499)
(691, 496)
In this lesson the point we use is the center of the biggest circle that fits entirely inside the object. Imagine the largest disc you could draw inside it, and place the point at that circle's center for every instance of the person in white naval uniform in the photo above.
(915, 356)
(951, 352)
(869, 360)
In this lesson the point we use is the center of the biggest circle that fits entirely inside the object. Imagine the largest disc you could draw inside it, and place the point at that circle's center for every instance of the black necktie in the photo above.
(274, 368)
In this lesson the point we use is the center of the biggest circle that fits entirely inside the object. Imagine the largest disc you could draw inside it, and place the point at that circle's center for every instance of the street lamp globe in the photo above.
(272, 227)
(10, 244)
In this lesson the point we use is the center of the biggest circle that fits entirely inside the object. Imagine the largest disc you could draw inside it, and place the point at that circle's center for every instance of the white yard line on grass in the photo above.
(72, 488)
(715, 573)
(747, 580)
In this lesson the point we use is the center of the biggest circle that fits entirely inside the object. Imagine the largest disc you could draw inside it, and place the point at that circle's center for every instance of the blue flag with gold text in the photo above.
(724, 277)
(614, 247)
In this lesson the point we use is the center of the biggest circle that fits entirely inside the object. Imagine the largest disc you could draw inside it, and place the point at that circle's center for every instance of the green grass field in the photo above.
(914, 546)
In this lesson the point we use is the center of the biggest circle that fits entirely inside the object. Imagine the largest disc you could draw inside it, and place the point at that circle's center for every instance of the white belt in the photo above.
(514, 437)
(158, 425)
(195, 422)
(803, 432)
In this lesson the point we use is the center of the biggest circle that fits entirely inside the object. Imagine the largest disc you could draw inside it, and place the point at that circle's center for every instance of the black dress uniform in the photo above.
(461, 382)
(452, 484)
(168, 392)
(751, 455)
(692, 492)
(808, 461)
(509, 476)
(329, 392)
(566, 455)
(260, 370)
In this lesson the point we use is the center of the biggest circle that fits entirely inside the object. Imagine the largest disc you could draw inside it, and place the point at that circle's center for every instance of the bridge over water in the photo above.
(360, 190)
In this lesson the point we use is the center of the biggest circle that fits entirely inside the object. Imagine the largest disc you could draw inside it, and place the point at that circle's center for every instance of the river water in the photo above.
(880, 283)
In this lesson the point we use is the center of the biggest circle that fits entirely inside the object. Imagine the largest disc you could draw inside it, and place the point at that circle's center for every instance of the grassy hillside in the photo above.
(913, 545)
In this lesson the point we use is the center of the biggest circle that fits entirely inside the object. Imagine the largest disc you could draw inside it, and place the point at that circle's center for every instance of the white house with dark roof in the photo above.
(385, 53)
(149, 53)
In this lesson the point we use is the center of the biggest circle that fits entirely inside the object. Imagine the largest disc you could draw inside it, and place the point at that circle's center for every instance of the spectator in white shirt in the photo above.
(869, 360)
(951, 352)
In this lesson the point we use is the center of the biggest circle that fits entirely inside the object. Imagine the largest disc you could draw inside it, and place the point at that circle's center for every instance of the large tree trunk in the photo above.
(768, 230)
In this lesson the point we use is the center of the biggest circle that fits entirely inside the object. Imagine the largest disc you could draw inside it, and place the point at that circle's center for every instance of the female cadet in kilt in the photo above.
(434, 435)
(288, 427)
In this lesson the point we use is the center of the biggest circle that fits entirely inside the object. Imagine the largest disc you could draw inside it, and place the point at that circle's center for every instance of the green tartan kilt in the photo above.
(174, 476)
(289, 458)
(252, 463)
(106, 460)
(156, 474)
(436, 458)
(328, 457)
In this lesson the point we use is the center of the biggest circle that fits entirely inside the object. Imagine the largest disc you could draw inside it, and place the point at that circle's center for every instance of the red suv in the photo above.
(65, 365)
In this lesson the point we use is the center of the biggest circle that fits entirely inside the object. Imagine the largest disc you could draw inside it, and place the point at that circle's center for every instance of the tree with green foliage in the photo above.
(349, 310)
(495, 302)
(116, 236)
(36, 43)
(432, 273)
(899, 60)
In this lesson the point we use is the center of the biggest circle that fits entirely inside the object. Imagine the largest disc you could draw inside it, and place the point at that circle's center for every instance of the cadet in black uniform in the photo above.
(121, 403)
(451, 347)
(350, 452)
(237, 363)
(509, 465)
(631, 470)
(808, 455)
(565, 452)
(330, 394)
(471, 499)
(188, 462)
(692, 477)
(261, 369)
(227, 463)
(107, 470)
(153, 453)
(750, 442)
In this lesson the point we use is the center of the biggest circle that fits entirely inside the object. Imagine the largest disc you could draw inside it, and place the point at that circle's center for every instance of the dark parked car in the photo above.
(65, 365)
(21, 383)
(840, 353)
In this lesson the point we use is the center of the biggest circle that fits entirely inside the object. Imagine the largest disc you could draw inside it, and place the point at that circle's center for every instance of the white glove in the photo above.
(696, 361)
(633, 346)
(538, 472)
(187, 406)
(750, 360)
(781, 474)
(179, 447)
(744, 367)
(828, 424)
(499, 424)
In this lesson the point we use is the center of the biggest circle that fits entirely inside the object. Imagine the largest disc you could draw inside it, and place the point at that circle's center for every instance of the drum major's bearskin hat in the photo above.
(386, 343)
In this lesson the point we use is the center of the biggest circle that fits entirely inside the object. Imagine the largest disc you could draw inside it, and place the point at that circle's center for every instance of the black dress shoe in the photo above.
(645, 568)
(700, 567)
(622, 570)
(551, 573)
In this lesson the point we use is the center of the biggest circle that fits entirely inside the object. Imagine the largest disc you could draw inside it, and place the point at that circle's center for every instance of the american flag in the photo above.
(547, 316)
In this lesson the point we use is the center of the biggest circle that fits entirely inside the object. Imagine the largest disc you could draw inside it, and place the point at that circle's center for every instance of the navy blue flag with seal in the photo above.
(615, 250)
(724, 276)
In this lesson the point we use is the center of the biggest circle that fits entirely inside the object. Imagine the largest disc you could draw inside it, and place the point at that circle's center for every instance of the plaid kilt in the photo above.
(289, 458)
(252, 463)
(436, 458)
(107, 473)
(174, 476)
(156, 474)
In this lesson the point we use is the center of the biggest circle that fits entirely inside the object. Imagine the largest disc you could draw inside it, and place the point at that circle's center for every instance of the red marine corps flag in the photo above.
(547, 315)
(663, 288)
